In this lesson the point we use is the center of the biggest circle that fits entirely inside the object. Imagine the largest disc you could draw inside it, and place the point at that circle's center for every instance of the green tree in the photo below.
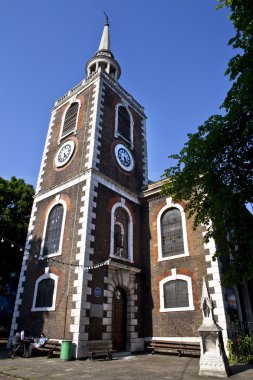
(214, 169)
(16, 199)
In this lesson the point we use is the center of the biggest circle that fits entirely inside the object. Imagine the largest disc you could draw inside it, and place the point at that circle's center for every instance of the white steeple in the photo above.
(104, 60)
(105, 39)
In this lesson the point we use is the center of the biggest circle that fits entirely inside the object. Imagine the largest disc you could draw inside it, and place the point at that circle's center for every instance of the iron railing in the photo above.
(241, 328)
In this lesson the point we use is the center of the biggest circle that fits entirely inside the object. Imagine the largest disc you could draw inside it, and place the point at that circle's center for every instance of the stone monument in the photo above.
(213, 359)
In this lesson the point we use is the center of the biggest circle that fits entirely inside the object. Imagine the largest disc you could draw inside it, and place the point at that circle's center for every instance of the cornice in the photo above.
(85, 83)
(80, 177)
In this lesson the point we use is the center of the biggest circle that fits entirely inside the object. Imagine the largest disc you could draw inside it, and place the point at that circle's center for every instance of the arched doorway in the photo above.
(119, 309)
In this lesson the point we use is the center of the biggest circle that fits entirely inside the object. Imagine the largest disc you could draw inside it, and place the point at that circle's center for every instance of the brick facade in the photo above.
(91, 186)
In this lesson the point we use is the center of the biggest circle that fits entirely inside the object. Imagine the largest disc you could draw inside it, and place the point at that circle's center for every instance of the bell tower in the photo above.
(81, 269)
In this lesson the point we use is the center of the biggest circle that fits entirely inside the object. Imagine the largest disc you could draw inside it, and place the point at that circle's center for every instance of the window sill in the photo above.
(118, 135)
(48, 256)
(176, 309)
(173, 257)
(122, 258)
(34, 309)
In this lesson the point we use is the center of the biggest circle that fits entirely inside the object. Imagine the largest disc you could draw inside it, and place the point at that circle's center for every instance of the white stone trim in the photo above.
(57, 201)
(83, 257)
(100, 178)
(114, 187)
(44, 156)
(115, 86)
(95, 126)
(71, 101)
(192, 339)
(44, 277)
(144, 153)
(85, 83)
(124, 279)
(124, 104)
(170, 204)
(22, 276)
(175, 276)
(122, 204)
(79, 88)
(219, 291)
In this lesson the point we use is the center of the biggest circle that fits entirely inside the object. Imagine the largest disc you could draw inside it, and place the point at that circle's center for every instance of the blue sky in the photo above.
(173, 55)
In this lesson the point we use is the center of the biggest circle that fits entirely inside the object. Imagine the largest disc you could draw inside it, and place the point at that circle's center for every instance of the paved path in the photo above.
(139, 367)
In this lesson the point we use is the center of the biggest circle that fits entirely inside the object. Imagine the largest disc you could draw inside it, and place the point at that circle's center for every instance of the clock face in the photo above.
(64, 153)
(124, 157)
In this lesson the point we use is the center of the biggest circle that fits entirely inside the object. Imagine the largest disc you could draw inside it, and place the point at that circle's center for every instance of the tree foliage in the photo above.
(16, 199)
(214, 170)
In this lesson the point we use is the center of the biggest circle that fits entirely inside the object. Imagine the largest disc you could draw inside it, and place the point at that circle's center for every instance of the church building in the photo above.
(108, 257)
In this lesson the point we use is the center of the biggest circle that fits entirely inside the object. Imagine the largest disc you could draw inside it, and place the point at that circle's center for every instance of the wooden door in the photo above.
(119, 320)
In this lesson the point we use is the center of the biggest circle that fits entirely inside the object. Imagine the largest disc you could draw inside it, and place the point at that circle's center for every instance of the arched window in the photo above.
(45, 292)
(53, 232)
(172, 237)
(53, 229)
(70, 120)
(121, 232)
(124, 123)
(176, 293)
(172, 233)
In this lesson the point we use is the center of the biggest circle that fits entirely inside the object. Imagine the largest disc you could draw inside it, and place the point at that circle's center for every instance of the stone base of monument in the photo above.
(213, 366)
(213, 359)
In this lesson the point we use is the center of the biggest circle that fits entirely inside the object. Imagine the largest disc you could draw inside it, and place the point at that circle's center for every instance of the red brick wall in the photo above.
(178, 323)
(52, 323)
(108, 164)
(53, 176)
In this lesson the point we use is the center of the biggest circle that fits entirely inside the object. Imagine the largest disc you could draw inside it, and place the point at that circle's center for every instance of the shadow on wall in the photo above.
(147, 300)
(46, 302)
(29, 321)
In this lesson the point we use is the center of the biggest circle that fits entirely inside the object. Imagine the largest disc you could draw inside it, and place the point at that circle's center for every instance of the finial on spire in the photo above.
(103, 60)
(105, 40)
(106, 19)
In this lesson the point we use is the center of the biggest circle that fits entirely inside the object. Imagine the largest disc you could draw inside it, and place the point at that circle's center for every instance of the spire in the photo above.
(105, 39)
(103, 60)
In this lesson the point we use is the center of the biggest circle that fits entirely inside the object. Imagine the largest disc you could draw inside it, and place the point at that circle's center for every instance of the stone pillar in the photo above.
(213, 359)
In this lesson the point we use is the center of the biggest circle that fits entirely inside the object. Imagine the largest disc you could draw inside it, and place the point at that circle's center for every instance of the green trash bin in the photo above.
(66, 350)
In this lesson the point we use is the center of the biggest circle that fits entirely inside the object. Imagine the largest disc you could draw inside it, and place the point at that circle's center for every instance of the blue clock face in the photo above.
(124, 157)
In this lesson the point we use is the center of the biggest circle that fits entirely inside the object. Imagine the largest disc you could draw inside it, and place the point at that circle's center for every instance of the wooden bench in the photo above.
(99, 349)
(179, 348)
(52, 348)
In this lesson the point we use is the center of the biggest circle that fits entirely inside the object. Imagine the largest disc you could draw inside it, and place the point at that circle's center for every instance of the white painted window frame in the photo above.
(121, 204)
(122, 230)
(175, 276)
(57, 201)
(45, 276)
(170, 204)
(73, 100)
(116, 133)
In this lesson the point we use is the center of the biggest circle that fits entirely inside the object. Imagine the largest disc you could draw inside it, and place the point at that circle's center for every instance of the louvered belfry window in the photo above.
(124, 123)
(69, 125)
(53, 232)
(45, 293)
(175, 294)
(172, 233)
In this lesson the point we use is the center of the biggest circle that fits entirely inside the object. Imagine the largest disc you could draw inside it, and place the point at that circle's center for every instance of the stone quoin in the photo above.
(108, 257)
